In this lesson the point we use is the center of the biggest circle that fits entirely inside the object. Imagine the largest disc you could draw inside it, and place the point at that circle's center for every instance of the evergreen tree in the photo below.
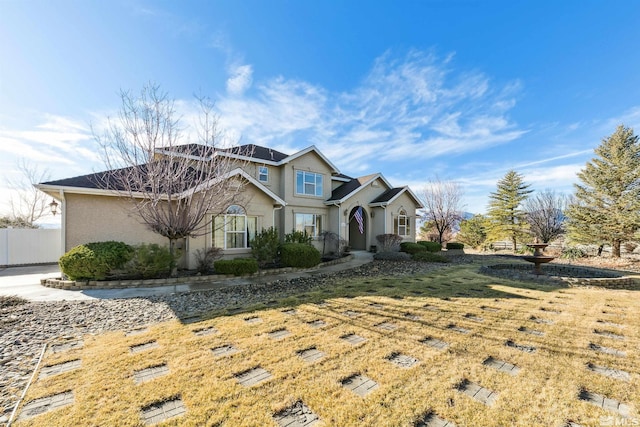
(507, 219)
(473, 231)
(606, 205)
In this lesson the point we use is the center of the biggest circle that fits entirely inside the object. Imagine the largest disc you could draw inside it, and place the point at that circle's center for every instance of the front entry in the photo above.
(358, 228)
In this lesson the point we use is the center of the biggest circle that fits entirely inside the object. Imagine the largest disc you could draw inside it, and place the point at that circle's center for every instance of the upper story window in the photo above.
(309, 183)
(401, 224)
(263, 174)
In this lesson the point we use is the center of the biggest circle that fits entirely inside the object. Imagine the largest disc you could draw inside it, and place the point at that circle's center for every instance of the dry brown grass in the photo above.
(544, 393)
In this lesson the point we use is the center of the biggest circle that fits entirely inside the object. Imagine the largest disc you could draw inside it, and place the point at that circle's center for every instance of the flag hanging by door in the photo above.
(359, 219)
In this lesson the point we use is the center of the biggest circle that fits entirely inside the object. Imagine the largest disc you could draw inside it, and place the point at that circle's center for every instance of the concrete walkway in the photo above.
(25, 282)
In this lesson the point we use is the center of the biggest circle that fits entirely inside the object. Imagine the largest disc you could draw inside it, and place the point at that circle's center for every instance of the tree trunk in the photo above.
(515, 244)
(172, 251)
(600, 248)
(615, 249)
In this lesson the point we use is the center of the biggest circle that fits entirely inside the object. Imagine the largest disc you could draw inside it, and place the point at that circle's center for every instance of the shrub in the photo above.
(150, 261)
(412, 248)
(431, 246)
(429, 257)
(298, 237)
(237, 267)
(94, 261)
(389, 242)
(630, 246)
(299, 255)
(264, 247)
(392, 256)
(455, 245)
(573, 253)
(330, 240)
(205, 259)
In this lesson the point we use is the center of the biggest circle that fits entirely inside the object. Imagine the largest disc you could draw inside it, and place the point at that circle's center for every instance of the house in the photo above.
(303, 191)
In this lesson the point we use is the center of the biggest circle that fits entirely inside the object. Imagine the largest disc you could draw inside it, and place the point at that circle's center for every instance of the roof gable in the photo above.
(348, 189)
(307, 150)
(392, 194)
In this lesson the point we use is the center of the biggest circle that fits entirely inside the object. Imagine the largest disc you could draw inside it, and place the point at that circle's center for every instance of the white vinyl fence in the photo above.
(20, 246)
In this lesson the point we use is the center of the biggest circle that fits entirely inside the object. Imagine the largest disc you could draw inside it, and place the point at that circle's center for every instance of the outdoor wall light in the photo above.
(54, 207)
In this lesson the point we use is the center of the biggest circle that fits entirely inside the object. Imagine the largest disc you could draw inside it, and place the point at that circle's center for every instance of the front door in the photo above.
(358, 228)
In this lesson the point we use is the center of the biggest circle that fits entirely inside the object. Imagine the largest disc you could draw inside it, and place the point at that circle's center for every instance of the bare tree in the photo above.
(442, 205)
(172, 186)
(28, 204)
(545, 214)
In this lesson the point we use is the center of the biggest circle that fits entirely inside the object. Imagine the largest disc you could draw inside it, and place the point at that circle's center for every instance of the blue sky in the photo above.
(461, 90)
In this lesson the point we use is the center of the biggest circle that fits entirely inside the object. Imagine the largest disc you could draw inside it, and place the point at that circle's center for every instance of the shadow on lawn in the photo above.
(449, 282)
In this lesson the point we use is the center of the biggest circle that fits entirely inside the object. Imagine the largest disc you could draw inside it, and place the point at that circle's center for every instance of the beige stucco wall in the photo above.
(296, 203)
(100, 218)
(404, 201)
(255, 203)
(274, 182)
(374, 225)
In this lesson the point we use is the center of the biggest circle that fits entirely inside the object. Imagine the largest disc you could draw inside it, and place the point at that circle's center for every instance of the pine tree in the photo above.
(507, 219)
(473, 231)
(606, 205)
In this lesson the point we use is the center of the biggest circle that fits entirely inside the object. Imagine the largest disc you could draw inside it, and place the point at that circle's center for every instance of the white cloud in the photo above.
(413, 105)
(240, 79)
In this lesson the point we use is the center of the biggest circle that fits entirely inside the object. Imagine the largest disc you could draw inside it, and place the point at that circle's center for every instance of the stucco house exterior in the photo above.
(301, 191)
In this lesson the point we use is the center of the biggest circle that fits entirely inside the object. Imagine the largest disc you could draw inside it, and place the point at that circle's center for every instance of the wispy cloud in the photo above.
(53, 140)
(239, 80)
(413, 105)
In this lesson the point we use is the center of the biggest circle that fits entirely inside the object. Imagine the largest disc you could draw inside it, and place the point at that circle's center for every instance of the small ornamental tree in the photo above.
(173, 188)
(545, 215)
(442, 202)
(606, 204)
(506, 217)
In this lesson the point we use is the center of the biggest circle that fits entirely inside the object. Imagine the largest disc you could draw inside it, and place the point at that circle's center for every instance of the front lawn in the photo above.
(454, 326)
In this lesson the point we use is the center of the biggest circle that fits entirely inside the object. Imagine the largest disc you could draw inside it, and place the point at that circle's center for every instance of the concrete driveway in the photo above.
(25, 282)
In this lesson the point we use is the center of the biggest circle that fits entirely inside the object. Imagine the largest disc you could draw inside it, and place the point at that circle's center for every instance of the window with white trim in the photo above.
(401, 224)
(263, 174)
(309, 183)
(234, 229)
(311, 223)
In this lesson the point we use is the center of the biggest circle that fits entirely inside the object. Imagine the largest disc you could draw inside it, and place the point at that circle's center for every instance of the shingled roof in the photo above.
(257, 152)
(387, 195)
(112, 180)
(349, 187)
(91, 181)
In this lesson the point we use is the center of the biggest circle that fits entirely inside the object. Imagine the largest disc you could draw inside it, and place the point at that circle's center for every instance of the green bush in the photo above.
(298, 237)
(299, 255)
(237, 267)
(429, 257)
(573, 253)
(455, 245)
(150, 261)
(431, 246)
(264, 247)
(94, 261)
(412, 248)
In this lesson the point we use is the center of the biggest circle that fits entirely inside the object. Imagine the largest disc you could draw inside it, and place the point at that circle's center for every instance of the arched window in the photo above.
(401, 224)
(234, 229)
